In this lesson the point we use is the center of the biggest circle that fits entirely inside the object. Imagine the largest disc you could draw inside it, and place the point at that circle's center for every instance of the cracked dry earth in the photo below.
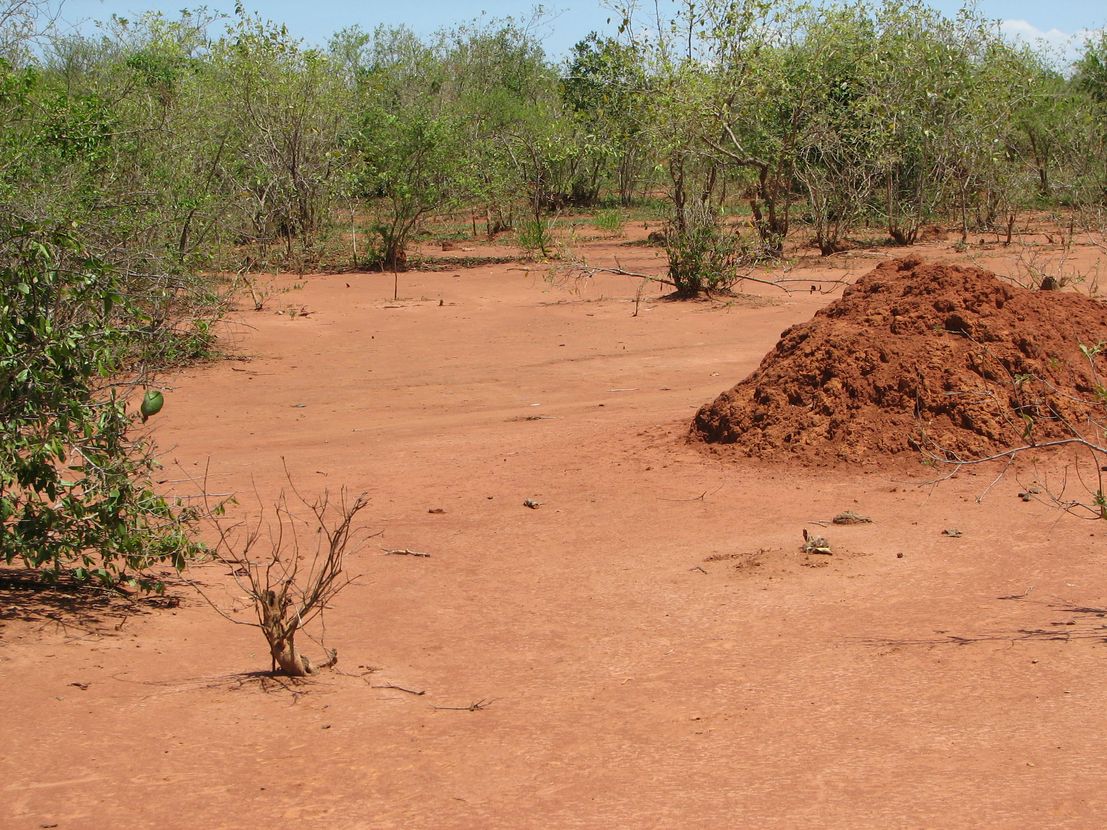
(648, 646)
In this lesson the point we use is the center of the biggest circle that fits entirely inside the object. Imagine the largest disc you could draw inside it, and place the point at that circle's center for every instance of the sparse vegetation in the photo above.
(134, 160)
(872, 232)
(609, 220)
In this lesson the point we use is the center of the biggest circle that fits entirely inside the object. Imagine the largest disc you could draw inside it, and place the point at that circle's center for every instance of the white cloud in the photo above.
(1067, 46)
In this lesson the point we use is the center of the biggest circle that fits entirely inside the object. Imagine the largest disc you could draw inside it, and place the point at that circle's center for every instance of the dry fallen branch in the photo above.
(405, 552)
(476, 706)
(1092, 506)
(417, 692)
(583, 270)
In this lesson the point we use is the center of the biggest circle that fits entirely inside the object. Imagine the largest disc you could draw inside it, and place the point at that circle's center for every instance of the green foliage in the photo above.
(610, 220)
(606, 90)
(235, 151)
(413, 165)
(703, 253)
(1091, 69)
(280, 112)
(498, 83)
(408, 144)
(75, 491)
(94, 295)
(525, 147)
(535, 236)
(888, 113)
(835, 147)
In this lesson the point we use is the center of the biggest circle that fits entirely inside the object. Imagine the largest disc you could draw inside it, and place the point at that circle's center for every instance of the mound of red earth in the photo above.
(948, 360)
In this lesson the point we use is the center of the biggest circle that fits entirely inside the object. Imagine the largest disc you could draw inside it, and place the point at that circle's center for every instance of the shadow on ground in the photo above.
(27, 596)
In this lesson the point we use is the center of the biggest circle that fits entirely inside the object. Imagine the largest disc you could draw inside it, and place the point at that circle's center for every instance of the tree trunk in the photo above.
(289, 660)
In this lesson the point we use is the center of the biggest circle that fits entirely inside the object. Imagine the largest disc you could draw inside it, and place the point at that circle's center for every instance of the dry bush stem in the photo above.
(285, 598)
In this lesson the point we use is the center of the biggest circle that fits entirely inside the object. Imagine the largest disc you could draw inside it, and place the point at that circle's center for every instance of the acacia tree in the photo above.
(703, 252)
(528, 149)
(547, 156)
(129, 170)
(1025, 142)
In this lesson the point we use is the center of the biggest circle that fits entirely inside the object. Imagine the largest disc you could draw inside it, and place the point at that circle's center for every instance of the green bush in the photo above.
(535, 236)
(703, 254)
(610, 221)
(75, 489)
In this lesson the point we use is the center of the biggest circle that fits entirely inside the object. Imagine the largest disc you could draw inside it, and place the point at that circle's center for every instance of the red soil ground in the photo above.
(656, 650)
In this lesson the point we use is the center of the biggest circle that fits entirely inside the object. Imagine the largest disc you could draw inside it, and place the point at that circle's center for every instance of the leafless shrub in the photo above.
(290, 577)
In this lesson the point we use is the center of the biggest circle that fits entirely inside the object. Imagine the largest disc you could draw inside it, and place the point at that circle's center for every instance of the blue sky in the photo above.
(317, 19)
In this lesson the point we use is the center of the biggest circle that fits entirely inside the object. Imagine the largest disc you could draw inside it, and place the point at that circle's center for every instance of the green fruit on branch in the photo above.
(152, 402)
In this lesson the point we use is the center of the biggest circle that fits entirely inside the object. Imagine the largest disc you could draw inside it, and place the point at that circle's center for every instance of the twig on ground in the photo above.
(417, 692)
(405, 552)
(996, 480)
(476, 706)
(701, 497)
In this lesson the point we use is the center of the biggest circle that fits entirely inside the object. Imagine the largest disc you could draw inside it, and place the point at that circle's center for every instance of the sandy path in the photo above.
(633, 683)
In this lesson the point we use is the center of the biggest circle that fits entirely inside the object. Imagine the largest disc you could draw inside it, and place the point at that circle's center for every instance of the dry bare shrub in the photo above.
(291, 566)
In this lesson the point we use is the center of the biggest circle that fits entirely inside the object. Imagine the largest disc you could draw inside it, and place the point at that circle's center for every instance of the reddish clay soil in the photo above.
(651, 647)
(941, 358)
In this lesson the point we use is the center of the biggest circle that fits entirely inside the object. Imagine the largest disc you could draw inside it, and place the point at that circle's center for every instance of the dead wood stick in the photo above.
(701, 497)
(405, 552)
(472, 707)
(401, 689)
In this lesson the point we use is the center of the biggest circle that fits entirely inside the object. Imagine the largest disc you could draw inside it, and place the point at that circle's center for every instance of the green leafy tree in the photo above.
(411, 159)
(922, 89)
(1091, 79)
(86, 313)
(289, 110)
(834, 150)
(1091, 69)
(501, 89)
(605, 89)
